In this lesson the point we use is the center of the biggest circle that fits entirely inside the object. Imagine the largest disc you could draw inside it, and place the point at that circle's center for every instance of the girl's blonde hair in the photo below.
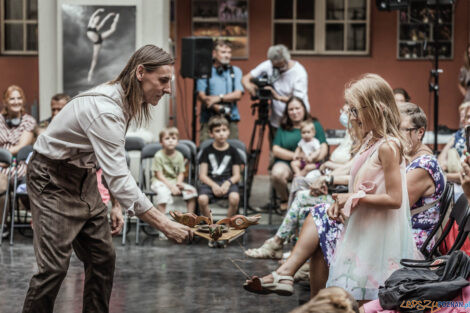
(330, 300)
(374, 101)
(6, 95)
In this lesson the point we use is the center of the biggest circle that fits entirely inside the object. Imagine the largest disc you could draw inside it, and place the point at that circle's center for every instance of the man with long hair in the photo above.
(66, 205)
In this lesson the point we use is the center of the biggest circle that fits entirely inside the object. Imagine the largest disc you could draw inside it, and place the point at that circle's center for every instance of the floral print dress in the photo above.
(423, 223)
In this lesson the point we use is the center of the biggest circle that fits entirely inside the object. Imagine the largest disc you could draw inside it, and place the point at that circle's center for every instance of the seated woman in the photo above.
(451, 154)
(338, 159)
(299, 210)
(338, 167)
(16, 127)
(285, 143)
(321, 232)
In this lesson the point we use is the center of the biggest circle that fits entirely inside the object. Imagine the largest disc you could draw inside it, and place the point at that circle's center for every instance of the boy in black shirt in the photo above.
(219, 170)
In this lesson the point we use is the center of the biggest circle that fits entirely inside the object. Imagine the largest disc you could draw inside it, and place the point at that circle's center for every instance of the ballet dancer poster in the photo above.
(97, 40)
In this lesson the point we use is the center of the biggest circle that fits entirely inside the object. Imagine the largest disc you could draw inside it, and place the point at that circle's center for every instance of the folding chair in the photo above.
(192, 146)
(244, 158)
(460, 214)
(5, 157)
(132, 144)
(145, 173)
(21, 157)
(444, 203)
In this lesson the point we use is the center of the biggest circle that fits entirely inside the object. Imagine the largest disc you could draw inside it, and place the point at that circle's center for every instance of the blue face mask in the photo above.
(343, 119)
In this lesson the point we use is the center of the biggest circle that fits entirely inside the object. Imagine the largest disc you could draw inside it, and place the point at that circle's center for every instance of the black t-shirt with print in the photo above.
(220, 163)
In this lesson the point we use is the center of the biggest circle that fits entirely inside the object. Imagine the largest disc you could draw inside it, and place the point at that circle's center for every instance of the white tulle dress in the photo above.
(374, 239)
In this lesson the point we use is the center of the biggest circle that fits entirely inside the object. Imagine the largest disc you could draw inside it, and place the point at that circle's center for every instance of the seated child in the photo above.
(168, 169)
(307, 150)
(219, 170)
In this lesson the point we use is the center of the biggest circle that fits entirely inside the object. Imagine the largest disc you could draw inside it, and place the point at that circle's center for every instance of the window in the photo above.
(226, 19)
(323, 27)
(417, 31)
(19, 24)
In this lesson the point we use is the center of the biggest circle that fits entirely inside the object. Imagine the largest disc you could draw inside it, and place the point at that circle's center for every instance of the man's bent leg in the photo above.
(55, 226)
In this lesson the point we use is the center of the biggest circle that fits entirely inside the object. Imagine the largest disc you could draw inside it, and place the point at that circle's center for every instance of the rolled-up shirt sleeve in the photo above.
(107, 136)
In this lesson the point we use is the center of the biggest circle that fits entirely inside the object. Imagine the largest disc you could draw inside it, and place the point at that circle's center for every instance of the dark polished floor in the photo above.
(157, 276)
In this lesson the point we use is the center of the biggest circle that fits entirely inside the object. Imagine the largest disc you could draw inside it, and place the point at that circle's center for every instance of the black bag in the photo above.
(436, 284)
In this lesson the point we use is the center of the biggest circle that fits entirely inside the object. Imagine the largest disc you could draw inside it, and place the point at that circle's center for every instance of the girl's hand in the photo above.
(341, 198)
(334, 213)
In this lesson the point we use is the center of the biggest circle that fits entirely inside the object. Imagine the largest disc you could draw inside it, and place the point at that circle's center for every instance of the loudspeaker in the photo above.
(196, 57)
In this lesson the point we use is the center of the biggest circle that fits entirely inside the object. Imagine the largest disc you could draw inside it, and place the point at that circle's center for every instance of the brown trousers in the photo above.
(68, 213)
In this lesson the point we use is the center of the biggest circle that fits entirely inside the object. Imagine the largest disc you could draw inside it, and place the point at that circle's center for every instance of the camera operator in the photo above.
(220, 93)
(291, 81)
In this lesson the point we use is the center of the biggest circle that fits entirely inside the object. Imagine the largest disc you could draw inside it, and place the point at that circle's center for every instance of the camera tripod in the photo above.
(256, 141)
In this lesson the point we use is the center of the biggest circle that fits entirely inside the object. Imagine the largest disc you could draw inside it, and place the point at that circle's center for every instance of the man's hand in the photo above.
(174, 231)
(211, 100)
(276, 96)
(251, 88)
(117, 220)
(177, 232)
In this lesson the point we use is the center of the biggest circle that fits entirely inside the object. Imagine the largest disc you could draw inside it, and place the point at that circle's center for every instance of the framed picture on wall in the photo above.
(95, 41)
(226, 19)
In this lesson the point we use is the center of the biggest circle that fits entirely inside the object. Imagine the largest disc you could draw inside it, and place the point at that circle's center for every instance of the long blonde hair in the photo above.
(330, 300)
(375, 103)
(150, 57)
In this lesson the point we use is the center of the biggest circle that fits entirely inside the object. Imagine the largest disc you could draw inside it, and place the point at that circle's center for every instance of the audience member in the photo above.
(401, 95)
(290, 80)
(285, 143)
(16, 127)
(422, 167)
(58, 101)
(449, 158)
(219, 169)
(462, 109)
(379, 216)
(168, 168)
(330, 300)
(307, 150)
(464, 76)
(221, 92)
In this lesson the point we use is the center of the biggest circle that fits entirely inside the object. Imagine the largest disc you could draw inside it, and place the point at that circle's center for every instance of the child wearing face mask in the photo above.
(307, 150)
(342, 154)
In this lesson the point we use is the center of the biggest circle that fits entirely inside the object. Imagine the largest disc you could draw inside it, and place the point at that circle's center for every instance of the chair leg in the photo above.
(4, 215)
(137, 231)
(12, 222)
(124, 230)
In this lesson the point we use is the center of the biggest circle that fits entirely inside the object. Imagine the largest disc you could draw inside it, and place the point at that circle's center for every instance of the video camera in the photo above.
(262, 82)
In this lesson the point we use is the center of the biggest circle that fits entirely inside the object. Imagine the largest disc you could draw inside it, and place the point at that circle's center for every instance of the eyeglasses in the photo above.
(353, 111)
(409, 129)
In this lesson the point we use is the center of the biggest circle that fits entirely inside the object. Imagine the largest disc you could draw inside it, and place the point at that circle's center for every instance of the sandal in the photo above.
(256, 285)
(269, 250)
(303, 274)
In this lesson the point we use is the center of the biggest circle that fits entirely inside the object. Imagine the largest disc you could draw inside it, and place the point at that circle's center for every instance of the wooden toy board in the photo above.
(230, 236)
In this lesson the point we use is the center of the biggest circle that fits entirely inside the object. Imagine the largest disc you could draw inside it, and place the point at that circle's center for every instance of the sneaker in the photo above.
(6, 232)
(212, 244)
